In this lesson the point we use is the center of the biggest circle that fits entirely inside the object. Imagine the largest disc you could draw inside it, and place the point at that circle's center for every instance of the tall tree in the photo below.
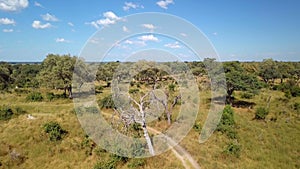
(238, 79)
(106, 72)
(57, 72)
(268, 70)
(5, 75)
(25, 75)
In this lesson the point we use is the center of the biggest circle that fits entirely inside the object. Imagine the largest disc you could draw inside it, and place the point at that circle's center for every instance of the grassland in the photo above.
(270, 143)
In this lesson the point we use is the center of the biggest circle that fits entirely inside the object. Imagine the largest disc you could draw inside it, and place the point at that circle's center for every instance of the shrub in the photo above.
(197, 127)
(19, 110)
(34, 97)
(93, 110)
(50, 96)
(131, 91)
(247, 95)
(172, 87)
(54, 130)
(295, 91)
(233, 149)
(227, 123)
(136, 162)
(107, 102)
(296, 106)
(261, 113)
(105, 165)
(6, 113)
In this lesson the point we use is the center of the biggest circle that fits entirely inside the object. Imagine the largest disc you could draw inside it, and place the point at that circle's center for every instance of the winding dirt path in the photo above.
(184, 156)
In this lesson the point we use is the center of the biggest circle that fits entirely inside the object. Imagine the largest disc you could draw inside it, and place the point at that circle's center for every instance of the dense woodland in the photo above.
(259, 95)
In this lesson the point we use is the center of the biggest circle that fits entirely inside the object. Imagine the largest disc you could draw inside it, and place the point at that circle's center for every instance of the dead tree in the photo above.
(135, 112)
(168, 108)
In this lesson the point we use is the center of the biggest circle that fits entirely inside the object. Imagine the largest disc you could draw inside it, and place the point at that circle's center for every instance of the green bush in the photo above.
(131, 91)
(107, 102)
(233, 149)
(6, 113)
(19, 111)
(295, 91)
(105, 165)
(296, 107)
(136, 162)
(34, 97)
(172, 87)
(227, 123)
(54, 130)
(261, 113)
(247, 95)
(50, 96)
(197, 127)
(93, 110)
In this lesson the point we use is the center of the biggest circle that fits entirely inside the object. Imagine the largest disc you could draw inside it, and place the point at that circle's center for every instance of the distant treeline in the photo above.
(56, 71)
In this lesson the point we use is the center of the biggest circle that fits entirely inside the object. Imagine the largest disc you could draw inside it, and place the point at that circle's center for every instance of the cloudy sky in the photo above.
(240, 30)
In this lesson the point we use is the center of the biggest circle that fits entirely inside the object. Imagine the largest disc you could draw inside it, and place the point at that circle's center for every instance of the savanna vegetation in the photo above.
(259, 127)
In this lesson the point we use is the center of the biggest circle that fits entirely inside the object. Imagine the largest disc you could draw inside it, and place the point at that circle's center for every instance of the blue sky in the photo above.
(239, 29)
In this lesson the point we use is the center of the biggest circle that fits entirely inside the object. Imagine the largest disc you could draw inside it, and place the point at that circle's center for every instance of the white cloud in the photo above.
(183, 34)
(164, 3)
(13, 5)
(49, 17)
(38, 4)
(173, 45)
(94, 41)
(105, 22)
(109, 19)
(148, 38)
(138, 43)
(149, 26)
(128, 42)
(111, 15)
(39, 25)
(132, 5)
(94, 24)
(215, 33)
(8, 30)
(70, 24)
(6, 21)
(125, 29)
(62, 40)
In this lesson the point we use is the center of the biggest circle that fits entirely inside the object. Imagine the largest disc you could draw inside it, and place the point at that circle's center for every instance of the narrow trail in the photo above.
(184, 156)
(177, 150)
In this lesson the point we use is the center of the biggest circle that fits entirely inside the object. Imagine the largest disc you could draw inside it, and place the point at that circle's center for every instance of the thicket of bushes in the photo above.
(6, 112)
(34, 97)
(261, 113)
(54, 130)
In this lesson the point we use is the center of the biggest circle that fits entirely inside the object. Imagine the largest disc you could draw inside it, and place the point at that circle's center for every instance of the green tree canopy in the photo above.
(5, 75)
(57, 72)
(238, 79)
(268, 70)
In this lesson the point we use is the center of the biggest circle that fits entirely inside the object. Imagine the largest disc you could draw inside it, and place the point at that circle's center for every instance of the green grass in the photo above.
(264, 144)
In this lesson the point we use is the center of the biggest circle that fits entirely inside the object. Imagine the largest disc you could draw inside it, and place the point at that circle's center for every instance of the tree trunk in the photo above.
(148, 139)
(70, 92)
(169, 117)
(146, 133)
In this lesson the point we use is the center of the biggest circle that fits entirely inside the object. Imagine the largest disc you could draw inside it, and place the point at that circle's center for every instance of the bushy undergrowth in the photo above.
(290, 88)
(34, 97)
(6, 112)
(233, 149)
(54, 130)
(227, 123)
(261, 113)
(107, 102)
